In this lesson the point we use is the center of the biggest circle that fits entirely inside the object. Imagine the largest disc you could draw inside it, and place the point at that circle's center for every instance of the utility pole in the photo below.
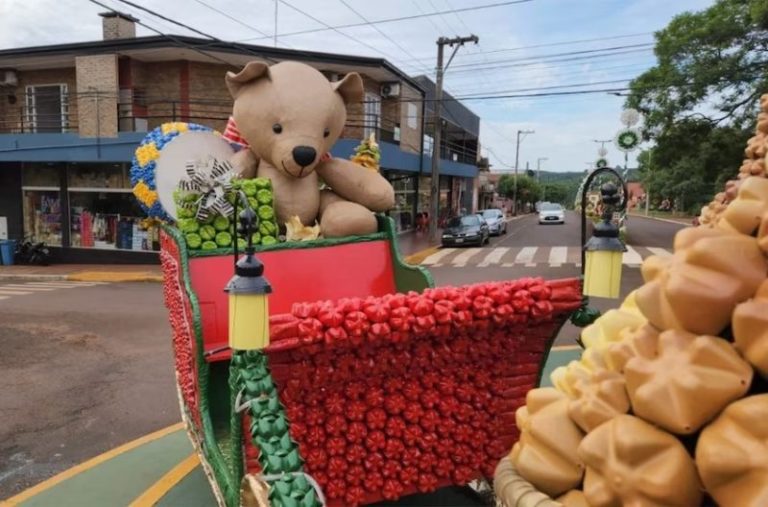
(517, 162)
(275, 37)
(648, 190)
(538, 175)
(602, 142)
(437, 124)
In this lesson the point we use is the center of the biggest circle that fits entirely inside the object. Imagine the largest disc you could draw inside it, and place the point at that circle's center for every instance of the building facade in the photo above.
(72, 115)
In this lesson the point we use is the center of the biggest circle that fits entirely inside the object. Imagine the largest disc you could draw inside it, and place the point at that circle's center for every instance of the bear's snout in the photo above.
(304, 155)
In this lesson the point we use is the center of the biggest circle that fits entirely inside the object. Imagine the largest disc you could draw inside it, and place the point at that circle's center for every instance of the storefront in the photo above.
(405, 186)
(87, 211)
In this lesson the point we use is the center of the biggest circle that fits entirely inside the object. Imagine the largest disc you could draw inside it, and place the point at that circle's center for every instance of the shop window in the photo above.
(41, 176)
(42, 215)
(88, 177)
(405, 201)
(109, 220)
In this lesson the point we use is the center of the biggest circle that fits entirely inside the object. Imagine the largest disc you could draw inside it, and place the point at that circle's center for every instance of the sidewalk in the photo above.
(410, 243)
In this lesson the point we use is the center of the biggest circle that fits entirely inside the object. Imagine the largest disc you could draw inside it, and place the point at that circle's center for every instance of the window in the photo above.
(47, 108)
(413, 115)
(42, 202)
(371, 114)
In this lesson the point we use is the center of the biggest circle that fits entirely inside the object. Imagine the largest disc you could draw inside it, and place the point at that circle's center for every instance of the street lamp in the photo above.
(601, 256)
(248, 291)
(517, 162)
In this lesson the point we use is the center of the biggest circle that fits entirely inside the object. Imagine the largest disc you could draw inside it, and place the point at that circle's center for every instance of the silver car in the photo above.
(551, 213)
(495, 220)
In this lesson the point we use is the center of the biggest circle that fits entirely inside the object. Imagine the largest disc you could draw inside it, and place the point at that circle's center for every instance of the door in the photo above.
(47, 108)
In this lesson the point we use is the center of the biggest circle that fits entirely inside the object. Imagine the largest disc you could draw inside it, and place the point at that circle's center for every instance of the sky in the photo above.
(503, 63)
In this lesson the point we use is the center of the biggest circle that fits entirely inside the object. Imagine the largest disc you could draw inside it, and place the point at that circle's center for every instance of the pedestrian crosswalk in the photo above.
(11, 289)
(529, 256)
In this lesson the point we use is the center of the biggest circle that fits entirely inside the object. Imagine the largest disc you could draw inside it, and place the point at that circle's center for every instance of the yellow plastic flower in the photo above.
(147, 153)
(607, 328)
(144, 194)
(176, 126)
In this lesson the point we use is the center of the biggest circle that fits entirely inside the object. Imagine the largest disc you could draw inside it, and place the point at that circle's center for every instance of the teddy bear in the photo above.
(289, 116)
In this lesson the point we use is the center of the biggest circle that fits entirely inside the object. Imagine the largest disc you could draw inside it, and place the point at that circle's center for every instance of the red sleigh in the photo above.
(375, 385)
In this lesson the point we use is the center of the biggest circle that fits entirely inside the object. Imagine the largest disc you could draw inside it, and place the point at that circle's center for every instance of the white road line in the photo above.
(27, 287)
(64, 284)
(437, 256)
(3, 297)
(661, 252)
(558, 255)
(494, 257)
(508, 265)
(48, 286)
(526, 256)
(13, 292)
(631, 257)
(461, 259)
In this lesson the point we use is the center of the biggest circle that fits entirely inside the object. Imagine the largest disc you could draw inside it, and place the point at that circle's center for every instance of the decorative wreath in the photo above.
(627, 139)
(144, 162)
(601, 162)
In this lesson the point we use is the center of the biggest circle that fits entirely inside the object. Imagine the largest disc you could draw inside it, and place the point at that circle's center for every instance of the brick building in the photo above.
(71, 116)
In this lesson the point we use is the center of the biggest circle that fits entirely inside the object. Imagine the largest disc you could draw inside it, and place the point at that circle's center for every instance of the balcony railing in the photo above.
(142, 113)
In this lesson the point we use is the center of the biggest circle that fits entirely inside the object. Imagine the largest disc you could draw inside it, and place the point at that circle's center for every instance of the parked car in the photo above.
(466, 230)
(495, 219)
(551, 213)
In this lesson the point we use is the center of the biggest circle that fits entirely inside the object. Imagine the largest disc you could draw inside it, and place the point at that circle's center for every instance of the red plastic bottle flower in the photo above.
(356, 453)
(393, 385)
(310, 330)
(394, 403)
(427, 483)
(373, 462)
(316, 458)
(337, 467)
(462, 475)
(391, 469)
(374, 482)
(356, 432)
(335, 488)
(354, 390)
(376, 418)
(315, 436)
(413, 412)
(315, 416)
(429, 420)
(412, 434)
(356, 323)
(336, 446)
(304, 310)
(411, 458)
(354, 496)
(429, 399)
(395, 427)
(394, 448)
(356, 411)
(375, 441)
(374, 397)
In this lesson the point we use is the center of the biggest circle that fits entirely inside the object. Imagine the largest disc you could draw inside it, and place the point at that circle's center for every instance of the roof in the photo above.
(176, 47)
(454, 111)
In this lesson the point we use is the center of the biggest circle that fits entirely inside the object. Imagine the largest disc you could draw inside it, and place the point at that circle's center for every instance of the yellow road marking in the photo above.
(159, 489)
(82, 467)
(416, 258)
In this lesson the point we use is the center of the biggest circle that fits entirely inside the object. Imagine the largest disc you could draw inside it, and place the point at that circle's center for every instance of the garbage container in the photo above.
(7, 248)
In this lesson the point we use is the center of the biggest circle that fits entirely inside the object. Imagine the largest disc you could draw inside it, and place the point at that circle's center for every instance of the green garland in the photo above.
(627, 139)
(278, 453)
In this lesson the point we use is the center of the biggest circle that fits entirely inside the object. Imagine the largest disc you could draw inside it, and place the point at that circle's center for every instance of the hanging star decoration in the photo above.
(212, 180)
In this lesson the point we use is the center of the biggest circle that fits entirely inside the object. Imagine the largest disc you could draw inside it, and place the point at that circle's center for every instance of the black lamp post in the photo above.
(248, 290)
(601, 256)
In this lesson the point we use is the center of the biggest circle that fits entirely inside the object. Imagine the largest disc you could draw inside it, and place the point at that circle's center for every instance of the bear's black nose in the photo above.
(304, 155)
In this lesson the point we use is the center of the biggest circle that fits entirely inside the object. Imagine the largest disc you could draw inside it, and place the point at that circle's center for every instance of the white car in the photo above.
(495, 220)
(551, 213)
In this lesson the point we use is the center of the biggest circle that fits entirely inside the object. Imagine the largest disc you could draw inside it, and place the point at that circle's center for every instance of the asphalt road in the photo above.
(85, 368)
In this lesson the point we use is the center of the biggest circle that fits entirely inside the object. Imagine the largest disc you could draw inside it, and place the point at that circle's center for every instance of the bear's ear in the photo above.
(251, 72)
(350, 88)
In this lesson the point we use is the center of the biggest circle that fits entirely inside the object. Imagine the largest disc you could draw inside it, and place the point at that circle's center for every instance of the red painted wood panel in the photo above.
(300, 275)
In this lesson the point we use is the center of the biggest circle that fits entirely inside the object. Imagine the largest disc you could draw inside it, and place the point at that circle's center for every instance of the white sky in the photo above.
(565, 126)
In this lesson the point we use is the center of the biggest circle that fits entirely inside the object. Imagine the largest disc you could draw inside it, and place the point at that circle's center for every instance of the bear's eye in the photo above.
(326, 132)
(277, 128)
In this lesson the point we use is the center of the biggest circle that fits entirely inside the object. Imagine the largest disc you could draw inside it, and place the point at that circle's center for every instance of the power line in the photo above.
(390, 39)
(170, 37)
(170, 20)
(335, 29)
(398, 19)
(239, 22)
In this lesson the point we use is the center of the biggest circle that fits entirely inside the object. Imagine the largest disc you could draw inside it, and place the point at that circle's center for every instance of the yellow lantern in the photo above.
(603, 261)
(248, 305)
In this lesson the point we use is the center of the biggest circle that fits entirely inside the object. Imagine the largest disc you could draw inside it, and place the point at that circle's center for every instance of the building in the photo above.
(459, 151)
(71, 116)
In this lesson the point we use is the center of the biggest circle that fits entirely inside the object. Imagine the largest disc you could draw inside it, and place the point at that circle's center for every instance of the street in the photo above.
(88, 366)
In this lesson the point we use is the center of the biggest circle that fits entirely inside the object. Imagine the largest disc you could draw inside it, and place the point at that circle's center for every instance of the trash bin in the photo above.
(7, 249)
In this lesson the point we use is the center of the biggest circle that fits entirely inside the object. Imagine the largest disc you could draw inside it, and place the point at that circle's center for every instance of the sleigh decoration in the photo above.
(375, 384)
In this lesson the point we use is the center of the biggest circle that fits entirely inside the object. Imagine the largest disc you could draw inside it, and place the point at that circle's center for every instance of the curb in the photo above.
(677, 222)
(87, 276)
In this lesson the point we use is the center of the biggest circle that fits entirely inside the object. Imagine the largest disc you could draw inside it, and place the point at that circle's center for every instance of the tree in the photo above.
(555, 192)
(528, 190)
(700, 100)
